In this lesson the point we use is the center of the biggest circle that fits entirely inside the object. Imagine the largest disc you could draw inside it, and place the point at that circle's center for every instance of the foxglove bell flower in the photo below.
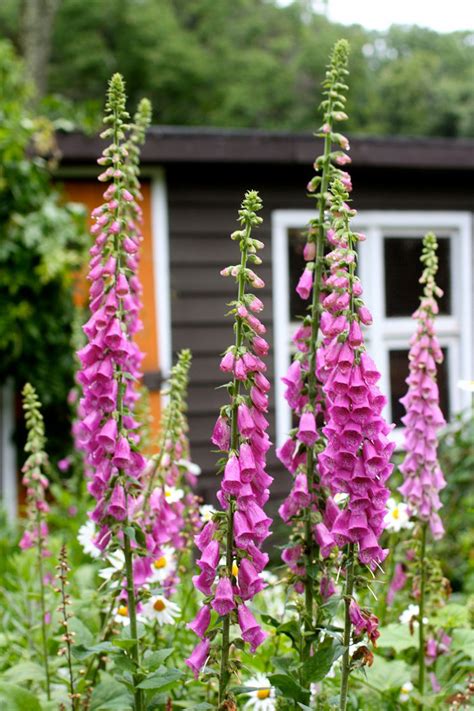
(422, 473)
(111, 359)
(231, 561)
(356, 460)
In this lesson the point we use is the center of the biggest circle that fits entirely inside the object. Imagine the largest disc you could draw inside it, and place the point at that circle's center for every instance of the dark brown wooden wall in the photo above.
(203, 203)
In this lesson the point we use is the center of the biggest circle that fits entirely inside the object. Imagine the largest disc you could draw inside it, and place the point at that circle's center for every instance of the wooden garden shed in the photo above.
(194, 180)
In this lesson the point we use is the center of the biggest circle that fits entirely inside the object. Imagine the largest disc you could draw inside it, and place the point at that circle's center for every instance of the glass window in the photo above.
(398, 360)
(296, 243)
(402, 272)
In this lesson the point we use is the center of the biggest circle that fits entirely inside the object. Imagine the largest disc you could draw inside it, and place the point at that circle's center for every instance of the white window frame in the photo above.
(454, 331)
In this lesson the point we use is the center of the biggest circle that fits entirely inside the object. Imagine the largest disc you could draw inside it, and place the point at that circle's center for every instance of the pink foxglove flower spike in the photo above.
(231, 560)
(304, 506)
(111, 360)
(356, 461)
(422, 473)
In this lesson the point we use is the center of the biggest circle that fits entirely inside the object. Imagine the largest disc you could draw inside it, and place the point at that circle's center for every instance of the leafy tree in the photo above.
(41, 243)
(252, 63)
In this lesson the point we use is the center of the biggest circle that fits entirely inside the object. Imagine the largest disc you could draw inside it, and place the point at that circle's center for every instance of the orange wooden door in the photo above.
(89, 193)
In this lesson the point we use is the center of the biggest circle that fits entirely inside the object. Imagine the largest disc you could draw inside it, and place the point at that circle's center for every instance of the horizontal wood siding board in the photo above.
(189, 311)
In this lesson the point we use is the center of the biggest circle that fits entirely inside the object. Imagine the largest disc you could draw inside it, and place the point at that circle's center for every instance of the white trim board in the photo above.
(377, 223)
(8, 471)
(161, 268)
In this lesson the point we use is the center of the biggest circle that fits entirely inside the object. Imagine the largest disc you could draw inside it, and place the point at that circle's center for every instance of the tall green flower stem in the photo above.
(36, 483)
(174, 422)
(421, 628)
(346, 659)
(68, 636)
(132, 613)
(224, 674)
(44, 632)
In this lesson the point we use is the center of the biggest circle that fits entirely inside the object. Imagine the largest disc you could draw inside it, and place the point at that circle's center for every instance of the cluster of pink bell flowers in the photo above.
(230, 559)
(303, 391)
(356, 460)
(422, 474)
(111, 359)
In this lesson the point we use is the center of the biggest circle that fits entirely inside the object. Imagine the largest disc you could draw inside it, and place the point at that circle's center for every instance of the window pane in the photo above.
(398, 387)
(296, 243)
(402, 272)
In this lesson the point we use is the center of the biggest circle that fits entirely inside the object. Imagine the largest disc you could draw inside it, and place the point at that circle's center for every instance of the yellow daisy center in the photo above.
(123, 611)
(160, 562)
(235, 569)
(159, 605)
(167, 493)
(263, 693)
(396, 513)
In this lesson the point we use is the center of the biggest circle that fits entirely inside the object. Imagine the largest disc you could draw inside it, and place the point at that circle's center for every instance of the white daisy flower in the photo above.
(161, 609)
(163, 566)
(397, 516)
(467, 385)
(263, 698)
(172, 494)
(121, 615)
(405, 691)
(407, 616)
(206, 512)
(117, 563)
(340, 498)
(191, 467)
(85, 536)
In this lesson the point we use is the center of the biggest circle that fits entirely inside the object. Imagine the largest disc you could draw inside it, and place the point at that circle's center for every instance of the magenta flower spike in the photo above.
(356, 460)
(304, 507)
(111, 361)
(231, 561)
(423, 478)
(422, 474)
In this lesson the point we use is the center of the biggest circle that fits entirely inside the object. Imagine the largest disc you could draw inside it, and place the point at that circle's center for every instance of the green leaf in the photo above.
(153, 660)
(396, 636)
(130, 532)
(269, 620)
(317, 666)
(24, 671)
(14, 698)
(386, 675)
(463, 639)
(451, 615)
(109, 695)
(289, 687)
(82, 634)
(125, 643)
(81, 651)
(162, 681)
(291, 629)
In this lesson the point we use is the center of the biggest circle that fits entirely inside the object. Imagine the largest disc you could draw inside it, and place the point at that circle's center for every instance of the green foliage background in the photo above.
(252, 63)
(42, 241)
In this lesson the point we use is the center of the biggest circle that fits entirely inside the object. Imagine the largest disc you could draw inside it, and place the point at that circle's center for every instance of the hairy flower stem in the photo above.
(132, 613)
(68, 637)
(346, 659)
(421, 628)
(234, 445)
(311, 547)
(44, 635)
